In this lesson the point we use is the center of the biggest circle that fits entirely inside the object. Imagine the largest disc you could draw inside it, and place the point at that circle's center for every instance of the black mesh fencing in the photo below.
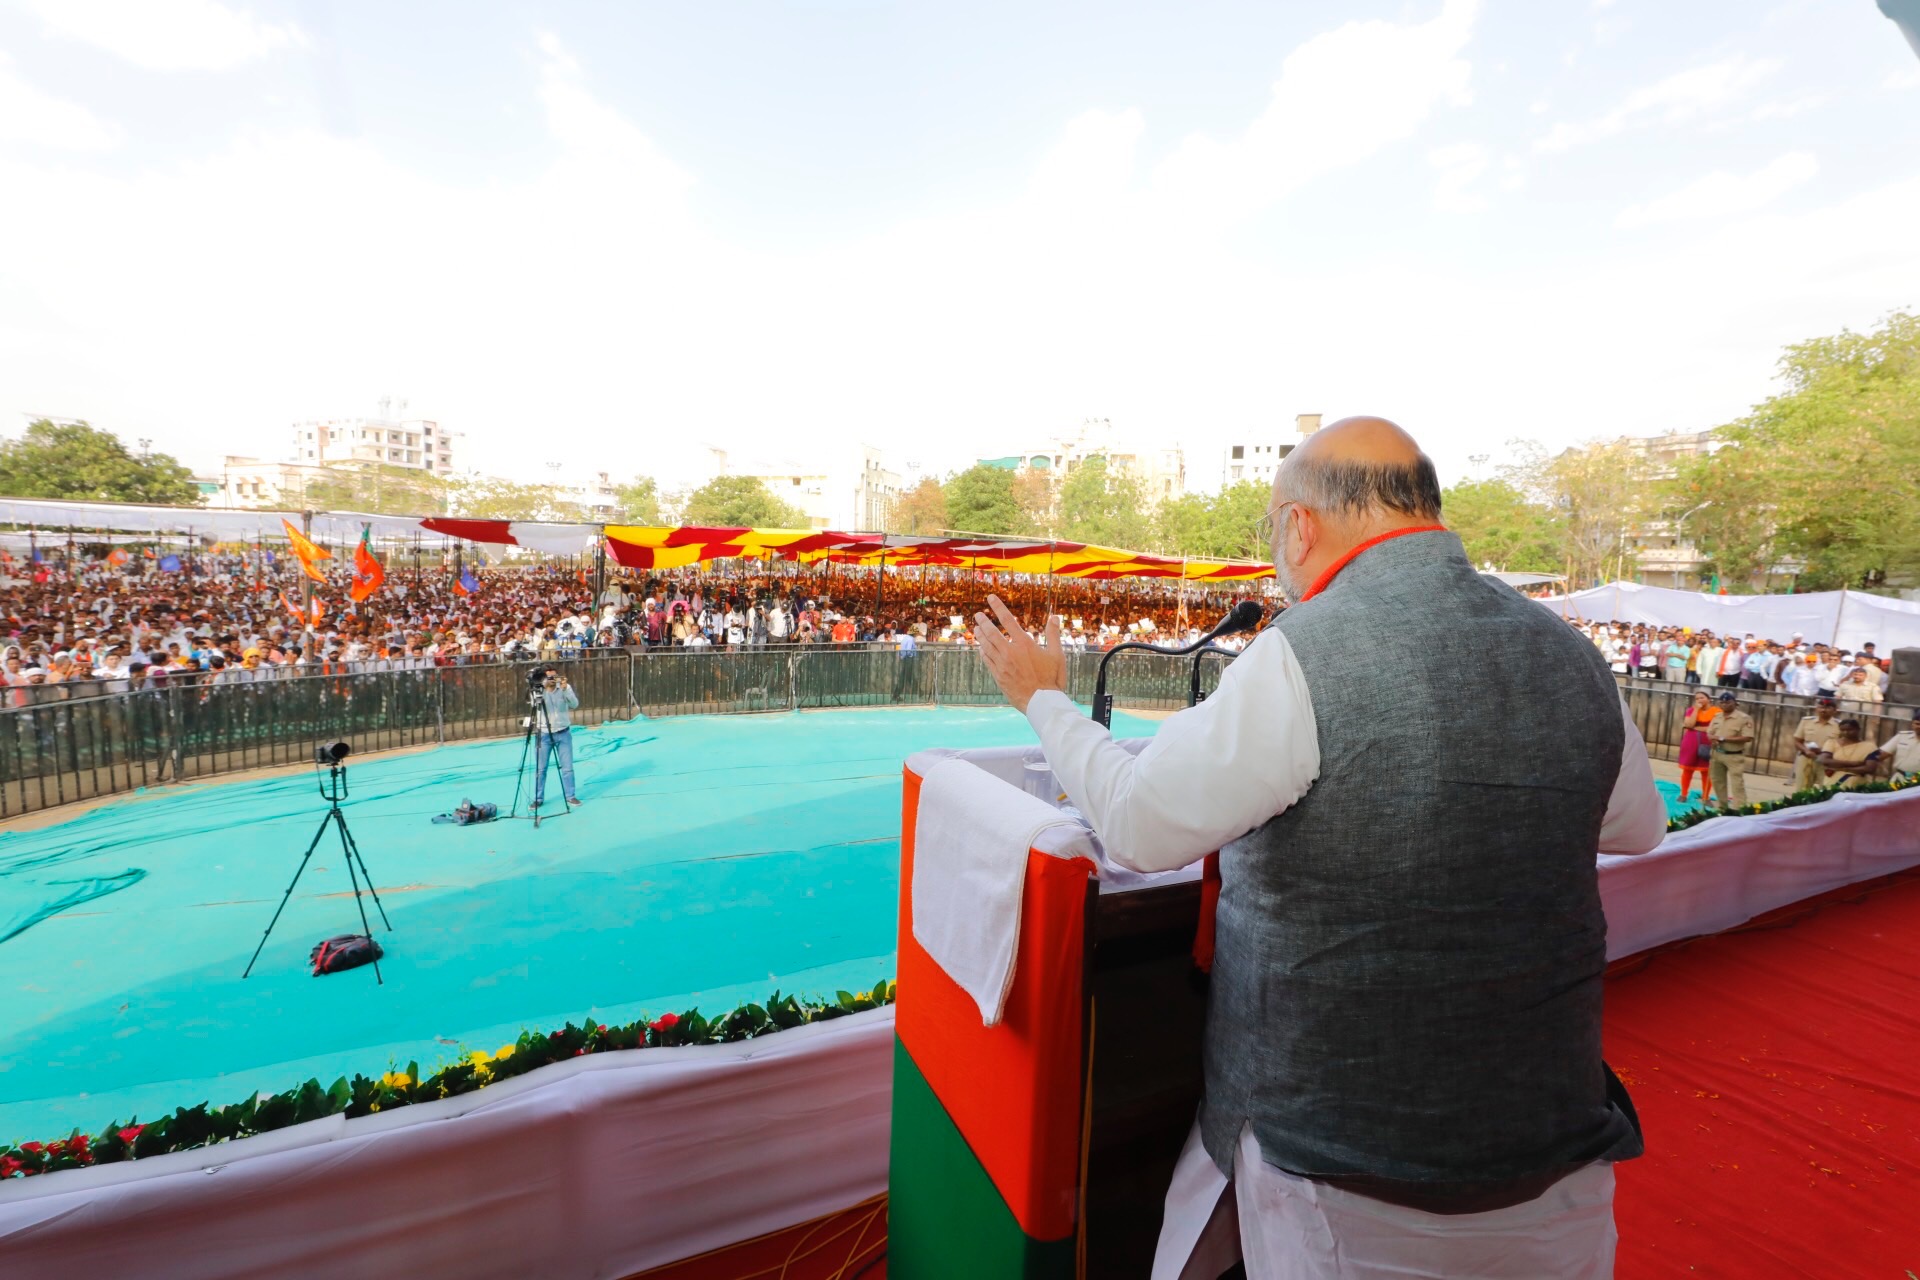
(59, 748)
(55, 751)
(1659, 710)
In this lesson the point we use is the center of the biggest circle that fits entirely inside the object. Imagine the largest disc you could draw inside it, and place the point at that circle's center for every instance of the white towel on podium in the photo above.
(971, 837)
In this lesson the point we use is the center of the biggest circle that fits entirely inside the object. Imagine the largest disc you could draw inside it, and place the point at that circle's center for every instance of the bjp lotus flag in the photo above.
(307, 551)
(117, 557)
(367, 573)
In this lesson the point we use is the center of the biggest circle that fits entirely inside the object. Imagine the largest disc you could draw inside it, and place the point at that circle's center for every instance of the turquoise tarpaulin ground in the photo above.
(714, 859)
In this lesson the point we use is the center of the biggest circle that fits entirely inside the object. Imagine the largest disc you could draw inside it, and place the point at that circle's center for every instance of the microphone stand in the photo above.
(1194, 696)
(1103, 701)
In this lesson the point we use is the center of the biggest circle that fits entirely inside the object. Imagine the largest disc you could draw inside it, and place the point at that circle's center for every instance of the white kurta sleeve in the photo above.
(1211, 774)
(1636, 820)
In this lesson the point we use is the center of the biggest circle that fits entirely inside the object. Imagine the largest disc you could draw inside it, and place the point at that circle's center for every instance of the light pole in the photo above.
(1681, 521)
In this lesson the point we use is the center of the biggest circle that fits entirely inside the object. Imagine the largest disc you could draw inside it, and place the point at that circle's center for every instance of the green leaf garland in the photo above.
(1812, 795)
(202, 1126)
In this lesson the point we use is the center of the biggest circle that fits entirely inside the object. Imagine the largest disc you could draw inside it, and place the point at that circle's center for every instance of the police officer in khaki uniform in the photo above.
(1815, 734)
(1731, 733)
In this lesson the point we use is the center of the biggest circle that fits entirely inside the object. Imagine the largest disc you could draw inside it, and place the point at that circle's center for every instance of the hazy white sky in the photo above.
(612, 233)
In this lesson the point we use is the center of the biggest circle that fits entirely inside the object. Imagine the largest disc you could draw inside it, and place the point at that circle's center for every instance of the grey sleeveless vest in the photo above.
(1406, 979)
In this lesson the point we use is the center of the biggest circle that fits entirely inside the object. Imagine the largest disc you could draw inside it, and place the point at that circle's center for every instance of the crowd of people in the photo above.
(80, 626)
(1830, 746)
(1797, 666)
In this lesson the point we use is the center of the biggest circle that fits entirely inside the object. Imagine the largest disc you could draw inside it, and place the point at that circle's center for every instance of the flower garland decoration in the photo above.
(1812, 795)
(204, 1125)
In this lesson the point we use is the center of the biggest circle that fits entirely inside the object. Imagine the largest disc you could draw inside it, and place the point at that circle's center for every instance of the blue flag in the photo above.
(169, 564)
(470, 582)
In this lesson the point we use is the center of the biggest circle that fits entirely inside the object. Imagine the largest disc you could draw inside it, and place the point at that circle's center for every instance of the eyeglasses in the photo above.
(1264, 527)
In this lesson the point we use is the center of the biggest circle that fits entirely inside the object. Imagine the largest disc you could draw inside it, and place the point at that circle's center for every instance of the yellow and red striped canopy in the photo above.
(649, 547)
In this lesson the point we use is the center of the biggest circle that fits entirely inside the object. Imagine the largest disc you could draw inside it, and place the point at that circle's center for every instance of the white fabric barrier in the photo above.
(1726, 871)
(1814, 615)
(615, 1163)
(600, 1167)
(1885, 623)
(1846, 618)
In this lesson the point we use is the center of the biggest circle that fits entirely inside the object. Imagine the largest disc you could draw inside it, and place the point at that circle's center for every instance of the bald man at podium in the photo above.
(1408, 777)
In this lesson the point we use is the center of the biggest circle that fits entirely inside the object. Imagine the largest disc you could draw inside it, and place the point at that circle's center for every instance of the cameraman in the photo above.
(553, 729)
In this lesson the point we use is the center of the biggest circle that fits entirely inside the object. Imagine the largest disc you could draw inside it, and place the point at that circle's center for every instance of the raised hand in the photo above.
(1017, 662)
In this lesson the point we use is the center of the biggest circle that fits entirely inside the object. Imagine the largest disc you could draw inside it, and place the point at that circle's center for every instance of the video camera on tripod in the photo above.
(348, 950)
(541, 681)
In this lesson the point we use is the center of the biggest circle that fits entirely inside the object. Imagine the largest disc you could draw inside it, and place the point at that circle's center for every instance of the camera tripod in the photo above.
(537, 720)
(333, 788)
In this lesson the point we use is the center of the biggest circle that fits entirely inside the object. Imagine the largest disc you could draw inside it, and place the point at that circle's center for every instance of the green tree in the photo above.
(1183, 526)
(1598, 493)
(1103, 506)
(382, 489)
(74, 460)
(1033, 493)
(1235, 517)
(741, 500)
(921, 509)
(1502, 529)
(981, 500)
(638, 501)
(1825, 471)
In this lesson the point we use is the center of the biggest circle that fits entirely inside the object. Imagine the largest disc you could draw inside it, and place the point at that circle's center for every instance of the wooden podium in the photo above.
(1042, 1146)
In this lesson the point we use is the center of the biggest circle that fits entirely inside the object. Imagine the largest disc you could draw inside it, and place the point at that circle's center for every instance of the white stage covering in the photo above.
(1726, 871)
(618, 1162)
(596, 1168)
(1846, 618)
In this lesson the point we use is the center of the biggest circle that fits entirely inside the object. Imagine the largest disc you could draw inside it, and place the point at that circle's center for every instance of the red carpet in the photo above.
(1777, 1073)
(849, 1245)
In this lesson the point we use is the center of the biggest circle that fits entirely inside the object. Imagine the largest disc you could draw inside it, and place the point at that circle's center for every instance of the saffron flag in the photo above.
(307, 551)
(367, 573)
(117, 557)
(319, 608)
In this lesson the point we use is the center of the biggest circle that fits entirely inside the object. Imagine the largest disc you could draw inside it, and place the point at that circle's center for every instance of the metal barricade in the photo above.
(678, 682)
(1659, 709)
(56, 748)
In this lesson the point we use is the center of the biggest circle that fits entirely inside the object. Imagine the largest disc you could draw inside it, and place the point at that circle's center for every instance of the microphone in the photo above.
(1245, 616)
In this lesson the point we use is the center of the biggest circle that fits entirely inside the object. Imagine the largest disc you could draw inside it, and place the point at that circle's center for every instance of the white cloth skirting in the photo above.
(615, 1163)
(1726, 871)
(596, 1168)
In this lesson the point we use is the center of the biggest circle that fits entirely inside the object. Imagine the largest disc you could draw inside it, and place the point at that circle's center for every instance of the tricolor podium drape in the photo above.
(988, 1124)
